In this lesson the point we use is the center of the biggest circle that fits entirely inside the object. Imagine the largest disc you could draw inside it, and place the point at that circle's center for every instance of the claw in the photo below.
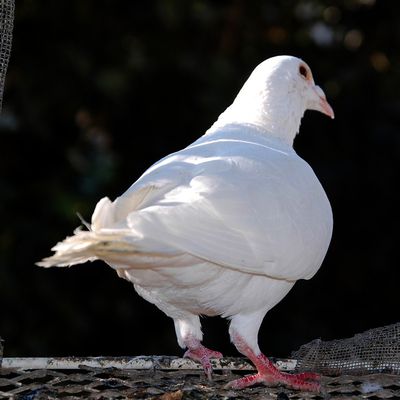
(293, 381)
(203, 355)
(269, 374)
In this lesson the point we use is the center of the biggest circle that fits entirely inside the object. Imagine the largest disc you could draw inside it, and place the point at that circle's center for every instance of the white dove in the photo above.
(225, 226)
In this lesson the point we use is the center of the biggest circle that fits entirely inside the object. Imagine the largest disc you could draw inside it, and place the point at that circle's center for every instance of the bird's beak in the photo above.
(319, 103)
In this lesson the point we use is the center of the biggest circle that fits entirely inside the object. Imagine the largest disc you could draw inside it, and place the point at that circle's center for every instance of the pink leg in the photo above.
(269, 374)
(196, 351)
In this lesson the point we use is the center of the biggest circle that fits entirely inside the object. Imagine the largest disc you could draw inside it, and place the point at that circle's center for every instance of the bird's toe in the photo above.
(203, 356)
(305, 381)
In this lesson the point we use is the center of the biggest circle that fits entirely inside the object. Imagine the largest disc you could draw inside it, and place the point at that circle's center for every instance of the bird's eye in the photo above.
(303, 71)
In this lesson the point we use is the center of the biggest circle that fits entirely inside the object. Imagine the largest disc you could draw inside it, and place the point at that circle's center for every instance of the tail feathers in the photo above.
(87, 246)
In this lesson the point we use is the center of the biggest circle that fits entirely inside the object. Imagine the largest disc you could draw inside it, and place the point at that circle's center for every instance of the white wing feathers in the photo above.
(237, 203)
(246, 210)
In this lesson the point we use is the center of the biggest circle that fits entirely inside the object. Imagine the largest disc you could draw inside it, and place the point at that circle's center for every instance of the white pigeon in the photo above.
(225, 226)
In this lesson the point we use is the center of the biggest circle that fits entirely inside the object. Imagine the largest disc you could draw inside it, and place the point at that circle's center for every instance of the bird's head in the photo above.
(275, 97)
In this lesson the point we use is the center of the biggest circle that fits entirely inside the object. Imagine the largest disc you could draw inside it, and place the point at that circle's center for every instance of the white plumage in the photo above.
(225, 226)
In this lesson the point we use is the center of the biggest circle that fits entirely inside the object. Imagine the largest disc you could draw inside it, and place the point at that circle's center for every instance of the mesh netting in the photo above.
(374, 351)
(375, 354)
(6, 27)
(100, 384)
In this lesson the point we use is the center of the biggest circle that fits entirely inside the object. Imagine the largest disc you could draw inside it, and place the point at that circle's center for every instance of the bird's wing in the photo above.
(193, 221)
(248, 213)
(239, 212)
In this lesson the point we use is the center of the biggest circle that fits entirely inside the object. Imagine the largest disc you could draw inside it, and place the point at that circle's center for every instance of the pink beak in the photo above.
(321, 104)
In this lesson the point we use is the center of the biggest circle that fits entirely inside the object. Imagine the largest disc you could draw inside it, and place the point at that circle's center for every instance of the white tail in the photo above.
(99, 242)
(89, 246)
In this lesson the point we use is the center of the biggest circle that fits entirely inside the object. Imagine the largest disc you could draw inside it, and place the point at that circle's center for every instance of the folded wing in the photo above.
(252, 209)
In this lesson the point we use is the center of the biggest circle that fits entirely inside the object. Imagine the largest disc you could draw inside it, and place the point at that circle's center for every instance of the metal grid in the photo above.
(172, 378)
(168, 378)
(95, 383)
(6, 27)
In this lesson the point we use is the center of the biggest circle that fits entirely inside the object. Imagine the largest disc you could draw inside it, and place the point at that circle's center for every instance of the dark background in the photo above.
(97, 91)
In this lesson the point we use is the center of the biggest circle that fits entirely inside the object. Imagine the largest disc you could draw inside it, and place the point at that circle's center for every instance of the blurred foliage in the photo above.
(99, 90)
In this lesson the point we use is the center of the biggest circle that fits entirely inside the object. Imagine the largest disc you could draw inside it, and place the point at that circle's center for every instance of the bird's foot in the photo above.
(203, 355)
(292, 381)
(271, 376)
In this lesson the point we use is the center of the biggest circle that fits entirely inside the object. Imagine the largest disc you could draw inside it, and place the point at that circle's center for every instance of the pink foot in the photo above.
(203, 355)
(293, 381)
(270, 375)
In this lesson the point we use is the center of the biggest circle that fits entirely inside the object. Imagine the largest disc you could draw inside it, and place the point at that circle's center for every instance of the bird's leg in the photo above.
(196, 351)
(189, 335)
(267, 372)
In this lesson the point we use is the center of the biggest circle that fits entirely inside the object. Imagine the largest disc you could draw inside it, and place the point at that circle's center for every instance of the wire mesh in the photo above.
(374, 351)
(93, 383)
(368, 366)
(6, 27)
